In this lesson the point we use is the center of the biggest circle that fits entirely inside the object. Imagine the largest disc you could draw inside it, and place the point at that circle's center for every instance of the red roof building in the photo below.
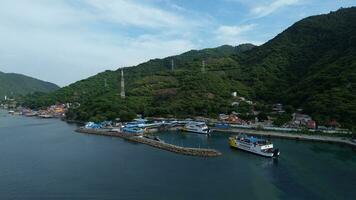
(311, 124)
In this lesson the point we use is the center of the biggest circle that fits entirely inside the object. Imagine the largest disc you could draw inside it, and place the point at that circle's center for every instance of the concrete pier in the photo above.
(294, 136)
(157, 144)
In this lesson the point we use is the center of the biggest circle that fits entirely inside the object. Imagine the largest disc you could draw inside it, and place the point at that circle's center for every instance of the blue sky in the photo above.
(63, 41)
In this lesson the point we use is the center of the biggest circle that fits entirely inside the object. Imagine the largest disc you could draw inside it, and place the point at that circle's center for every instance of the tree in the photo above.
(353, 130)
(282, 119)
(126, 116)
(262, 116)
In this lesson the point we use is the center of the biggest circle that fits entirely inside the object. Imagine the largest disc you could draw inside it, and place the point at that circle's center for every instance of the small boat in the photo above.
(45, 116)
(156, 138)
(92, 125)
(140, 123)
(222, 125)
(31, 114)
(134, 130)
(196, 127)
(254, 145)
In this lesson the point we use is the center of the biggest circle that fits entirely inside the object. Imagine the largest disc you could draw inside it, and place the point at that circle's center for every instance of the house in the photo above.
(223, 117)
(334, 124)
(311, 124)
(249, 102)
(242, 98)
(235, 103)
(303, 120)
(277, 107)
(235, 120)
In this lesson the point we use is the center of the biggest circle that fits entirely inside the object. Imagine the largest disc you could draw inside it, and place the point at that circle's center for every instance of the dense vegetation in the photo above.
(310, 65)
(16, 84)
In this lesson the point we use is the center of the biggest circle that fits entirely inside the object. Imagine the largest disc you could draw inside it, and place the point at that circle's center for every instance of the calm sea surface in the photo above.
(46, 159)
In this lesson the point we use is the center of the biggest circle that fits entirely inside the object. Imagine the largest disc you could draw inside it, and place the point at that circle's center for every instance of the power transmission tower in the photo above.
(172, 65)
(203, 66)
(122, 94)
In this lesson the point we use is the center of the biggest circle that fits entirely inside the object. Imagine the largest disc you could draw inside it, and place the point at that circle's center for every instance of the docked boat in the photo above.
(156, 138)
(30, 114)
(196, 127)
(222, 125)
(133, 130)
(46, 116)
(254, 145)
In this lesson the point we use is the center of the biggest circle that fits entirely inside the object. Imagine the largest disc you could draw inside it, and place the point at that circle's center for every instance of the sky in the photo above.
(63, 41)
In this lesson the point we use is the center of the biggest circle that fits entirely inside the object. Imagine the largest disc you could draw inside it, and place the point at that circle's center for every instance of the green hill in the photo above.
(16, 84)
(310, 65)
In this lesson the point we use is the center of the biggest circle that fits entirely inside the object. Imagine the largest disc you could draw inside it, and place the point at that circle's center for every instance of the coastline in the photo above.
(291, 136)
(267, 133)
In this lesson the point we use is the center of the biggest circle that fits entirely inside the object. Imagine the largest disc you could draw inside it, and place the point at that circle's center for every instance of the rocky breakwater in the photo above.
(201, 152)
(177, 149)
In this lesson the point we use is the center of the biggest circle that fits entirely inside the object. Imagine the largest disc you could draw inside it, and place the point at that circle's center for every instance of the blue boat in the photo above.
(141, 123)
(223, 125)
(92, 125)
(134, 130)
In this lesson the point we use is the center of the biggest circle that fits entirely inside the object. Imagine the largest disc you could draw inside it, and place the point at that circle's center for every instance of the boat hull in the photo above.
(194, 131)
(237, 145)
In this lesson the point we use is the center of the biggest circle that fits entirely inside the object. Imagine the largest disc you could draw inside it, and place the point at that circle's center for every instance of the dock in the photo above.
(200, 152)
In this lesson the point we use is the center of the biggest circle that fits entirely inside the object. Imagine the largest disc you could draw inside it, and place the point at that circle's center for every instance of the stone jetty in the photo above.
(157, 144)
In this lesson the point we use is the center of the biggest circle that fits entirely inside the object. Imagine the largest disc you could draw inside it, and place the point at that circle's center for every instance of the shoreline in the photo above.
(267, 133)
(199, 152)
(291, 136)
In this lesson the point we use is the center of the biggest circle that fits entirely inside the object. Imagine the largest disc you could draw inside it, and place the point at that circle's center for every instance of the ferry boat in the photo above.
(254, 145)
(196, 127)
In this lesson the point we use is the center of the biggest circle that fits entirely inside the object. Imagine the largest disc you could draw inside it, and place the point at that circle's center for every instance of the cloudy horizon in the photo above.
(65, 41)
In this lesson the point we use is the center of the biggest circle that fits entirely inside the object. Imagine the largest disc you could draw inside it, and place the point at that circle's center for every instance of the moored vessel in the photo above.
(254, 145)
(196, 127)
(132, 130)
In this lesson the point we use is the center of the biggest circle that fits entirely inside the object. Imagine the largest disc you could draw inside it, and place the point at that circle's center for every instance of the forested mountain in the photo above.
(17, 84)
(310, 65)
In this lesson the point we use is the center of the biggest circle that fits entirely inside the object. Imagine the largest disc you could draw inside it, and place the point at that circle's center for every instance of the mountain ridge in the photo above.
(14, 84)
(310, 65)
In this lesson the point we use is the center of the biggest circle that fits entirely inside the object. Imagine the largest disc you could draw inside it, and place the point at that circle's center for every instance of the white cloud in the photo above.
(132, 13)
(234, 34)
(62, 43)
(264, 9)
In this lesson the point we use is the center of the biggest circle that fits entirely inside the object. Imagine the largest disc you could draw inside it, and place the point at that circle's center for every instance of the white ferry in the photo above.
(196, 127)
(254, 145)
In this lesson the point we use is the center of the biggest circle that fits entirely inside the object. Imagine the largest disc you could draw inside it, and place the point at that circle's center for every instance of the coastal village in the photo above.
(244, 118)
(139, 130)
(298, 120)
